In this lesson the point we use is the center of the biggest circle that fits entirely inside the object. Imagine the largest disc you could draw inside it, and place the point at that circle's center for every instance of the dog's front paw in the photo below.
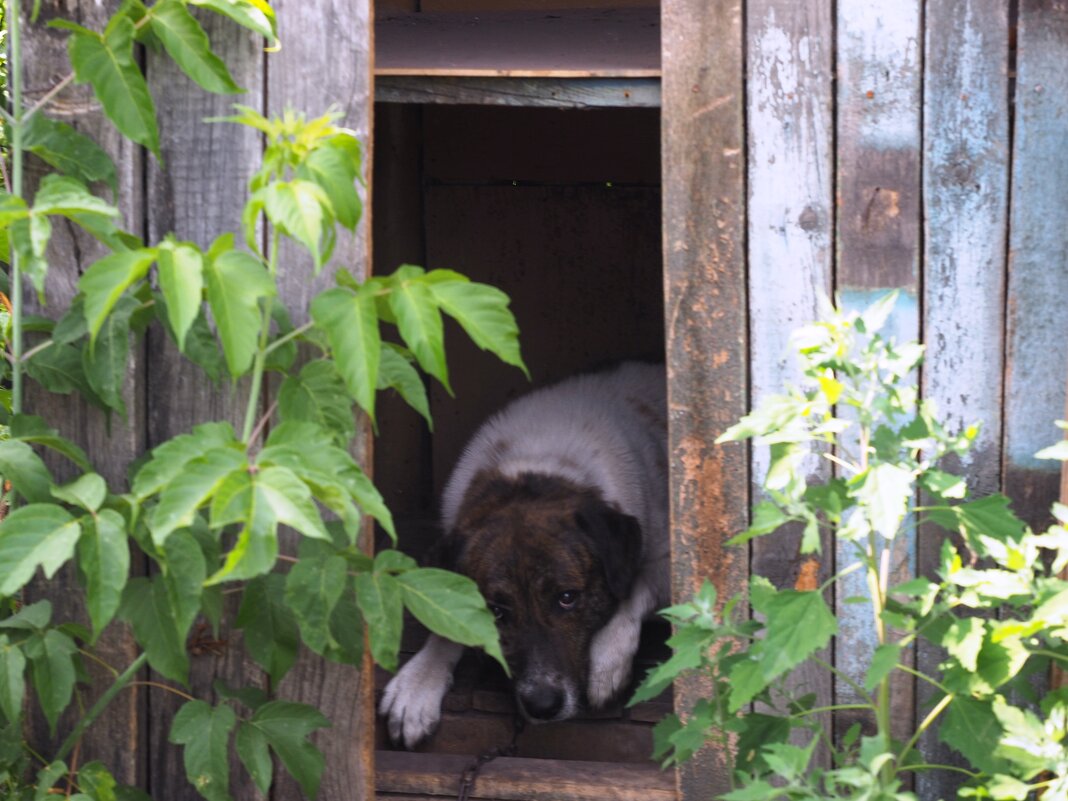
(611, 654)
(411, 703)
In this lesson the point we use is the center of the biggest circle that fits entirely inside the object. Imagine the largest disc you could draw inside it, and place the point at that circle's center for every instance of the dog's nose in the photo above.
(543, 702)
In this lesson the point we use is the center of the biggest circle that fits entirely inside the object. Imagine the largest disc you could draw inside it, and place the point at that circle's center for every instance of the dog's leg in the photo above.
(613, 647)
(412, 700)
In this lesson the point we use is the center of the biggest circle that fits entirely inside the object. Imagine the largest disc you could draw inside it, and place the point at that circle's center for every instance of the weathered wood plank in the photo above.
(325, 62)
(705, 303)
(118, 738)
(1037, 328)
(535, 92)
(791, 234)
(966, 135)
(510, 778)
(198, 193)
(878, 242)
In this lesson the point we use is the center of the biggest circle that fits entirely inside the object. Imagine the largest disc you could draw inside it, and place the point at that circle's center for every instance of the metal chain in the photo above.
(469, 774)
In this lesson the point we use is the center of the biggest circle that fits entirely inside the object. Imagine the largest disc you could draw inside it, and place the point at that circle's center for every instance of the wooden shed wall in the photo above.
(807, 148)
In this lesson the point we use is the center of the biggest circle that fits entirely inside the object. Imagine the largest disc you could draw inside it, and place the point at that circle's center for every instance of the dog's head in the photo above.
(553, 561)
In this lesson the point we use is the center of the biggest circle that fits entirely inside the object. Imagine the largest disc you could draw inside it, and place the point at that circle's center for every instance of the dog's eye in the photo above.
(567, 600)
(498, 611)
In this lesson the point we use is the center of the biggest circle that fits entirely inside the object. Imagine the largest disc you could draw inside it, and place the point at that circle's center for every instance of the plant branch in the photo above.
(15, 84)
(924, 726)
(93, 657)
(858, 688)
(832, 708)
(89, 717)
(924, 677)
(296, 332)
(261, 349)
(35, 350)
(161, 686)
(935, 766)
(46, 98)
(841, 574)
(258, 430)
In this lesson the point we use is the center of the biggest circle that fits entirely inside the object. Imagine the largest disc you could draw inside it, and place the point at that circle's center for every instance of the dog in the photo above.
(558, 510)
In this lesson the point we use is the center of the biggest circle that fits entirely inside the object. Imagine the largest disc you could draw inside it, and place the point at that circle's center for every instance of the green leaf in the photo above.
(767, 517)
(67, 197)
(183, 576)
(380, 599)
(104, 560)
(883, 662)
(97, 782)
(67, 150)
(87, 491)
(300, 209)
(256, 548)
(350, 321)
(963, 640)
(107, 62)
(12, 679)
(236, 284)
(876, 315)
(450, 605)
(286, 726)
(885, 491)
(257, 17)
(970, 727)
(313, 587)
(760, 730)
(204, 730)
(181, 279)
(58, 369)
(41, 534)
(188, 45)
(106, 280)
(21, 465)
(332, 168)
(270, 628)
(318, 395)
(482, 311)
(944, 485)
(169, 459)
(51, 654)
(415, 308)
(395, 371)
(252, 750)
(1057, 451)
(290, 501)
(104, 362)
(47, 778)
(30, 617)
(990, 516)
(193, 487)
(147, 607)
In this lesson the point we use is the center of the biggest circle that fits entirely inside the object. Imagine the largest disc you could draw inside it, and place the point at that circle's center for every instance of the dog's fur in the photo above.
(558, 510)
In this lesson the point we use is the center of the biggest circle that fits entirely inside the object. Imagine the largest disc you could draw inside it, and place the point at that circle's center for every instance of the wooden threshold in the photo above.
(404, 775)
(589, 43)
(575, 93)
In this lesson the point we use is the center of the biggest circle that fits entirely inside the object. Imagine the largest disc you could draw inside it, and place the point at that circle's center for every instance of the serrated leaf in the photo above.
(147, 607)
(87, 491)
(58, 369)
(252, 750)
(270, 628)
(237, 282)
(334, 171)
(964, 640)
(107, 279)
(258, 18)
(415, 308)
(450, 605)
(39, 535)
(944, 485)
(301, 210)
(104, 561)
(184, 571)
(286, 726)
(380, 599)
(482, 311)
(181, 280)
(193, 487)
(318, 395)
(350, 321)
(767, 517)
(12, 679)
(59, 194)
(169, 459)
(396, 372)
(313, 587)
(256, 548)
(26, 471)
(104, 362)
(290, 501)
(69, 151)
(885, 492)
(97, 782)
(970, 727)
(204, 730)
(188, 45)
(107, 62)
(51, 655)
(883, 662)
(991, 516)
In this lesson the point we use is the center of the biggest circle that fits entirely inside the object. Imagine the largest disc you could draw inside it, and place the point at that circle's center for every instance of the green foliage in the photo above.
(207, 508)
(859, 408)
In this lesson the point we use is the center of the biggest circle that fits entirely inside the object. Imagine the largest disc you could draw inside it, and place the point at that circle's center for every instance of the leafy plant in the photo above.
(206, 507)
(997, 606)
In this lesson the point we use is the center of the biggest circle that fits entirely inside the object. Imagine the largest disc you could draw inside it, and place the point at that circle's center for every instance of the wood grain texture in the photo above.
(705, 311)
(791, 235)
(325, 63)
(878, 136)
(966, 159)
(198, 193)
(534, 92)
(1037, 329)
(118, 738)
(606, 43)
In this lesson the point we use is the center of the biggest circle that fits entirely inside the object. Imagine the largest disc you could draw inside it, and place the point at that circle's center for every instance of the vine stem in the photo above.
(101, 703)
(15, 67)
(924, 726)
(261, 349)
(47, 97)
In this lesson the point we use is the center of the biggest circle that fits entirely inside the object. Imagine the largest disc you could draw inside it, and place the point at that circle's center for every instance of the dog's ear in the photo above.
(447, 552)
(616, 539)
